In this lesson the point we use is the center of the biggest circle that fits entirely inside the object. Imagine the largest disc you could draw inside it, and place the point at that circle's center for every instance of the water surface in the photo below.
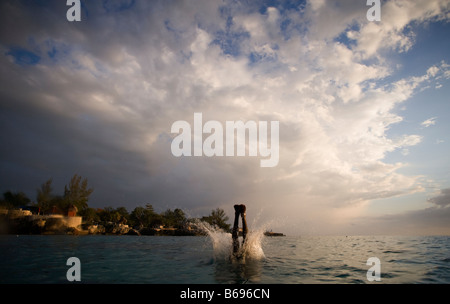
(278, 260)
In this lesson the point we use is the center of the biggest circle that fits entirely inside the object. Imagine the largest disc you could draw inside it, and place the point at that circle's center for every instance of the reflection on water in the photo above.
(236, 271)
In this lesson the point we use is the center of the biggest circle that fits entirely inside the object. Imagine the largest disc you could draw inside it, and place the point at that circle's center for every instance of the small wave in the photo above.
(394, 251)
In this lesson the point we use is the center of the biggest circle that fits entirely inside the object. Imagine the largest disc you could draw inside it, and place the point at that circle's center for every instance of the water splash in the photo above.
(222, 243)
(228, 268)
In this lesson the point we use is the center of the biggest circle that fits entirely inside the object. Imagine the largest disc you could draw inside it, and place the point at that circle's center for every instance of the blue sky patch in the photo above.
(23, 56)
(230, 42)
(117, 5)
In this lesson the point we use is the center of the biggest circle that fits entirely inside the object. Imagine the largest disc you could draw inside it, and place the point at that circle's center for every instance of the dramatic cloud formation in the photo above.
(98, 98)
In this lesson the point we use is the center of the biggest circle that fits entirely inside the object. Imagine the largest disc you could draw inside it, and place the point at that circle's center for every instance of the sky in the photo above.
(362, 106)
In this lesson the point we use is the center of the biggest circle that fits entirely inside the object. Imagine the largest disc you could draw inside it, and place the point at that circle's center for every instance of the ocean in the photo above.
(205, 259)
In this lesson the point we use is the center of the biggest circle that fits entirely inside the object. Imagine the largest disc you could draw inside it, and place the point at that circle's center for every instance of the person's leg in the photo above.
(244, 223)
(235, 231)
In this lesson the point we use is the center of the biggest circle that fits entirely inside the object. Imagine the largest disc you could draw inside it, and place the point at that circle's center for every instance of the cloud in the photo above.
(392, 32)
(101, 100)
(432, 220)
(428, 221)
(442, 200)
(429, 122)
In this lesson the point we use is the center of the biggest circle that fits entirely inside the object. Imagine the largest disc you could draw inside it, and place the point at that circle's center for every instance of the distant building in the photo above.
(56, 211)
(72, 211)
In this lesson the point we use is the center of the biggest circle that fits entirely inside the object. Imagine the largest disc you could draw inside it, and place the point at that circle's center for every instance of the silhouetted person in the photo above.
(239, 210)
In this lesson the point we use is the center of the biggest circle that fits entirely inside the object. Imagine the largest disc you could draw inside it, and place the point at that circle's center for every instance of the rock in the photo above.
(96, 229)
(56, 225)
(116, 228)
(133, 232)
(73, 231)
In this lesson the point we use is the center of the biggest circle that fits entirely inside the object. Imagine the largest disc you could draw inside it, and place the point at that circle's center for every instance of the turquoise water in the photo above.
(278, 260)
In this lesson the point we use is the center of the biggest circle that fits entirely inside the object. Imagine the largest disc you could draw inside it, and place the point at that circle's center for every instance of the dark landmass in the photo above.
(20, 222)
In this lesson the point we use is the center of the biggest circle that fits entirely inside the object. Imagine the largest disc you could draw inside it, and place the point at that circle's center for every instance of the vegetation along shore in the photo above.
(70, 214)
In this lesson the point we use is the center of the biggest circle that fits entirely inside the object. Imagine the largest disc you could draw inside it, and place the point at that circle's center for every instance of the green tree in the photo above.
(77, 193)
(123, 213)
(90, 216)
(14, 200)
(145, 217)
(44, 197)
(175, 218)
(218, 219)
(149, 207)
(109, 214)
(60, 203)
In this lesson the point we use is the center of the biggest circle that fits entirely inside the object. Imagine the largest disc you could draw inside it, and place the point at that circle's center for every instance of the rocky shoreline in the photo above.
(41, 225)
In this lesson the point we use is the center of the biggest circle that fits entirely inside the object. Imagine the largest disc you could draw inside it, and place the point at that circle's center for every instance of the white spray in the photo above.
(222, 243)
